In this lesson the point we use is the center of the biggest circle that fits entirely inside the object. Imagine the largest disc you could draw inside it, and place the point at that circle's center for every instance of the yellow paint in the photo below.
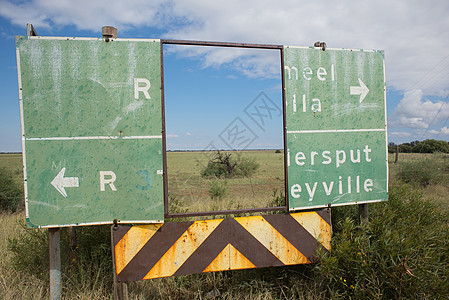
(183, 248)
(131, 243)
(316, 226)
(229, 259)
(237, 260)
(268, 236)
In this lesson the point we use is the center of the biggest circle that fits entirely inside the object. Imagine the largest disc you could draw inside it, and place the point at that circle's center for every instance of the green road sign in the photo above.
(336, 127)
(91, 123)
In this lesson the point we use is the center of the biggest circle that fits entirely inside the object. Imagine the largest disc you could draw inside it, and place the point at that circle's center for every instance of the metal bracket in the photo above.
(321, 45)
(30, 30)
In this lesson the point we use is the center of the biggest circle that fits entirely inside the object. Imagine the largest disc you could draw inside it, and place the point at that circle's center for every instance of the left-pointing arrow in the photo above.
(60, 182)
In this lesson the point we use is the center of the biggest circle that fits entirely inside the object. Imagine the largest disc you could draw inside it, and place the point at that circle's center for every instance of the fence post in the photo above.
(397, 154)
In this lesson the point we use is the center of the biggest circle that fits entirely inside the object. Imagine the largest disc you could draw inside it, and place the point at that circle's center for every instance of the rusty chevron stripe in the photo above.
(178, 248)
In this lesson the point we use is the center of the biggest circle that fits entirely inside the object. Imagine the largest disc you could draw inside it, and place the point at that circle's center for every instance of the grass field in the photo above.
(406, 250)
(191, 190)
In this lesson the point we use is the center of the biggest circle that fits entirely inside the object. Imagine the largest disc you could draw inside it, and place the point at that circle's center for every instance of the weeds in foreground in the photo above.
(401, 253)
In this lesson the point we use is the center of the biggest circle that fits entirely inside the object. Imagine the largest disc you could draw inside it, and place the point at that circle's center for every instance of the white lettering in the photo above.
(307, 71)
(312, 157)
(340, 186)
(294, 102)
(295, 190)
(110, 181)
(367, 151)
(321, 72)
(327, 189)
(342, 159)
(325, 155)
(143, 89)
(352, 156)
(316, 107)
(368, 184)
(300, 156)
(311, 192)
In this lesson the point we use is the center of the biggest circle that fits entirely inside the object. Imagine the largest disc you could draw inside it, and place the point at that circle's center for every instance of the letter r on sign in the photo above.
(138, 88)
(110, 180)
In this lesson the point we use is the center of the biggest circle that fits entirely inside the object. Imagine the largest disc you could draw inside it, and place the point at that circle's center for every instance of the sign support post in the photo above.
(55, 263)
(363, 213)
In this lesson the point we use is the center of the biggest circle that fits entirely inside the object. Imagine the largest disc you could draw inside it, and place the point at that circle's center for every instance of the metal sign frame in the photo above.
(280, 48)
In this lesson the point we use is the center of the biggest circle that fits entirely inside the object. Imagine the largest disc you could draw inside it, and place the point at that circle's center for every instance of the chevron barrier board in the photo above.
(160, 250)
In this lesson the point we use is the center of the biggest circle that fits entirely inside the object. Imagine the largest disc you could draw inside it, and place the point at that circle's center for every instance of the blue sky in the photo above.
(414, 35)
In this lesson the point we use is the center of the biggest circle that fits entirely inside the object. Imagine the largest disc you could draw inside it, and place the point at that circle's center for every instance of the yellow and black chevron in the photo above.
(160, 250)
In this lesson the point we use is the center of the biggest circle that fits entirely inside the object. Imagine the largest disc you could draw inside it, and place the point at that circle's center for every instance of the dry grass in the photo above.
(435, 192)
(191, 190)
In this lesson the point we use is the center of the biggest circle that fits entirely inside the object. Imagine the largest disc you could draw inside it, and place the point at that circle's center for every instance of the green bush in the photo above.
(217, 189)
(431, 146)
(225, 165)
(11, 194)
(401, 253)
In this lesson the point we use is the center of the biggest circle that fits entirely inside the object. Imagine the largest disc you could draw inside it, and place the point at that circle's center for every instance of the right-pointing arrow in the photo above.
(361, 90)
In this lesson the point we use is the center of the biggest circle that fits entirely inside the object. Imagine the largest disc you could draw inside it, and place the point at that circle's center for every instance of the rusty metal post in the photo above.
(55, 263)
(363, 213)
(120, 289)
(73, 246)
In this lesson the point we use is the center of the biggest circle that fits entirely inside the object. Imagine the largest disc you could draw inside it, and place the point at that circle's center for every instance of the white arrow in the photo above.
(59, 182)
(361, 90)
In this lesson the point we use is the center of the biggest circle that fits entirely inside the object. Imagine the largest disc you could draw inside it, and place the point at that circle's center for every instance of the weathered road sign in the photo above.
(336, 127)
(177, 248)
(91, 123)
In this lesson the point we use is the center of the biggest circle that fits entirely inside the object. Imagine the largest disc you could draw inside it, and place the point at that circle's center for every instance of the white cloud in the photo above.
(415, 112)
(85, 14)
(412, 33)
(172, 136)
(444, 130)
(189, 134)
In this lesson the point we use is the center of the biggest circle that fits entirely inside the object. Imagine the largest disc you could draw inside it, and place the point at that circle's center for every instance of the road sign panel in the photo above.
(91, 122)
(336, 127)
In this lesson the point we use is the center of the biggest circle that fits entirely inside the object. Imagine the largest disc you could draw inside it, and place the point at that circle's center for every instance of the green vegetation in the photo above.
(401, 253)
(426, 146)
(11, 193)
(225, 165)
(218, 189)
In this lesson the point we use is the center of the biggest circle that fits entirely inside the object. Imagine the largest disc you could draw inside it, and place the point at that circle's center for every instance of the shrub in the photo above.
(11, 194)
(217, 189)
(278, 151)
(431, 146)
(224, 165)
(400, 253)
